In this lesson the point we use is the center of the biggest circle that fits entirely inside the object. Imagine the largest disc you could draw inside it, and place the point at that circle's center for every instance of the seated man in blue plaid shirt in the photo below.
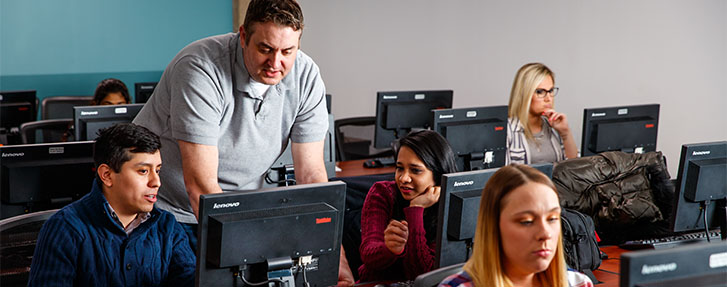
(114, 236)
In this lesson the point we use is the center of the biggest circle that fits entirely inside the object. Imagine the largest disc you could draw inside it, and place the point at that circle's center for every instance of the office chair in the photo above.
(357, 141)
(18, 237)
(434, 277)
(61, 107)
(46, 131)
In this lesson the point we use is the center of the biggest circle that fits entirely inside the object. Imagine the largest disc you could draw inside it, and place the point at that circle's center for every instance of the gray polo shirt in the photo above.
(204, 97)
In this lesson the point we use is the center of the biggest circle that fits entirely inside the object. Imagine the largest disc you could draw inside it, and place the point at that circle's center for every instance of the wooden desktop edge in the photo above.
(607, 273)
(356, 168)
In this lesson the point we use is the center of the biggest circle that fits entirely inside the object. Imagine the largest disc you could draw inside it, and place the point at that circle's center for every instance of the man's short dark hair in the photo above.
(281, 12)
(114, 145)
(108, 86)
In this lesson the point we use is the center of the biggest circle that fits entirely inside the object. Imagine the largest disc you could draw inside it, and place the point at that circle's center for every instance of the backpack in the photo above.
(580, 242)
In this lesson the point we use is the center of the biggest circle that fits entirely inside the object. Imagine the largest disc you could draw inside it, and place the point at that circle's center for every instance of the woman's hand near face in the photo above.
(395, 236)
(558, 121)
(427, 198)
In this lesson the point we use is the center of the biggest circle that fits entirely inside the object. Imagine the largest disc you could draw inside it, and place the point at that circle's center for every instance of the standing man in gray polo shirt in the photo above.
(226, 106)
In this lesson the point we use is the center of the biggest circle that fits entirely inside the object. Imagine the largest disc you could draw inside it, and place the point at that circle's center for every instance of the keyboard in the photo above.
(671, 241)
(379, 162)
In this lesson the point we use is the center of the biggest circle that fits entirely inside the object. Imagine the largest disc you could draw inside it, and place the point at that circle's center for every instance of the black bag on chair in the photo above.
(580, 243)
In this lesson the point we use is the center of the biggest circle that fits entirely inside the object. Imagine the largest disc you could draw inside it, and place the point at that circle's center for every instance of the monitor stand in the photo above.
(478, 160)
(638, 150)
(722, 217)
(279, 269)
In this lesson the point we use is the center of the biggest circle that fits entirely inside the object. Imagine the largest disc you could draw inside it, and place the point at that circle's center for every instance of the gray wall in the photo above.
(604, 53)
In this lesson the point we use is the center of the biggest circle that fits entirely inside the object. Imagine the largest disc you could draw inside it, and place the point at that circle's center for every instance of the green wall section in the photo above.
(67, 47)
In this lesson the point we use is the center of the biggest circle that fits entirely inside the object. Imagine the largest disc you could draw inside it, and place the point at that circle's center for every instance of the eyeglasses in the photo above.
(541, 93)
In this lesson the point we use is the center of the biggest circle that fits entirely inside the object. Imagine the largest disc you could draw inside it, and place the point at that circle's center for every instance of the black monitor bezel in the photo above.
(688, 265)
(9, 99)
(383, 138)
(492, 115)
(139, 88)
(592, 116)
(101, 114)
(332, 193)
(686, 215)
(44, 155)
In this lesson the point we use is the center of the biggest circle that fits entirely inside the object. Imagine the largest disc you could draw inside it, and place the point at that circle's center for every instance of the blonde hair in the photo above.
(526, 81)
(485, 267)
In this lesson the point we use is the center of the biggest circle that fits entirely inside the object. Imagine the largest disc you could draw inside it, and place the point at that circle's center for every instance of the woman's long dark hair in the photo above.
(438, 157)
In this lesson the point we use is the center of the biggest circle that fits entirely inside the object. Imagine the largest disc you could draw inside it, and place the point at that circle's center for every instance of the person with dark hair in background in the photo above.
(111, 92)
(518, 241)
(399, 218)
(114, 235)
(108, 92)
(226, 107)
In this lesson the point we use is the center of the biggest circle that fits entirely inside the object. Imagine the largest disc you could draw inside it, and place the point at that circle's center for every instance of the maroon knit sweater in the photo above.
(379, 263)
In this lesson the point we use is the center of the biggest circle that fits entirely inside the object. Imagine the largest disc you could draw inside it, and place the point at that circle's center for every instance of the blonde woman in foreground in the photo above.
(518, 238)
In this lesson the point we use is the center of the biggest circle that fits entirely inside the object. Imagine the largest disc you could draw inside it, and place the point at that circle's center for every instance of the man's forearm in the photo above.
(312, 176)
(194, 193)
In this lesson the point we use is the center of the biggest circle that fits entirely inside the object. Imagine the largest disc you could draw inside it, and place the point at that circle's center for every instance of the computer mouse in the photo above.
(372, 163)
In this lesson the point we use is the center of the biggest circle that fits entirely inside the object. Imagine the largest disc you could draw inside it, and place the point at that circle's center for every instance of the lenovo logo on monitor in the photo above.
(463, 183)
(704, 152)
(226, 205)
(660, 268)
(13, 154)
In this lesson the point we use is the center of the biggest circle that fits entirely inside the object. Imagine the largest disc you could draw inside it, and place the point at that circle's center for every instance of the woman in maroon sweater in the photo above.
(399, 218)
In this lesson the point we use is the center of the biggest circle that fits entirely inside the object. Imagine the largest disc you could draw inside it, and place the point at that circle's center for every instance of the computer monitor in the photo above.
(37, 177)
(694, 265)
(16, 108)
(88, 120)
(267, 233)
(142, 91)
(478, 136)
(631, 129)
(458, 211)
(701, 187)
(398, 113)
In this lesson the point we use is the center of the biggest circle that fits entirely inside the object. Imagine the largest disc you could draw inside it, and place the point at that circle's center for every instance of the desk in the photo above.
(608, 272)
(356, 168)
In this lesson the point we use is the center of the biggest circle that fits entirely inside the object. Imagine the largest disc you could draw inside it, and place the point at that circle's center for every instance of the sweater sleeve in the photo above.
(418, 256)
(182, 264)
(375, 216)
(54, 258)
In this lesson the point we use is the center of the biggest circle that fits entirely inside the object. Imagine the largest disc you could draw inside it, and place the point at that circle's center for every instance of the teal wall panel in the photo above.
(67, 47)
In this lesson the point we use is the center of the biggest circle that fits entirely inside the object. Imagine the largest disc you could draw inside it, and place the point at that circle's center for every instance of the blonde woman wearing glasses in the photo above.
(536, 132)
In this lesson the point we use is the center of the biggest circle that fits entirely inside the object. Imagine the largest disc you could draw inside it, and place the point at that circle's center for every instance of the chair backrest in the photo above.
(61, 107)
(434, 277)
(18, 237)
(358, 145)
(46, 131)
